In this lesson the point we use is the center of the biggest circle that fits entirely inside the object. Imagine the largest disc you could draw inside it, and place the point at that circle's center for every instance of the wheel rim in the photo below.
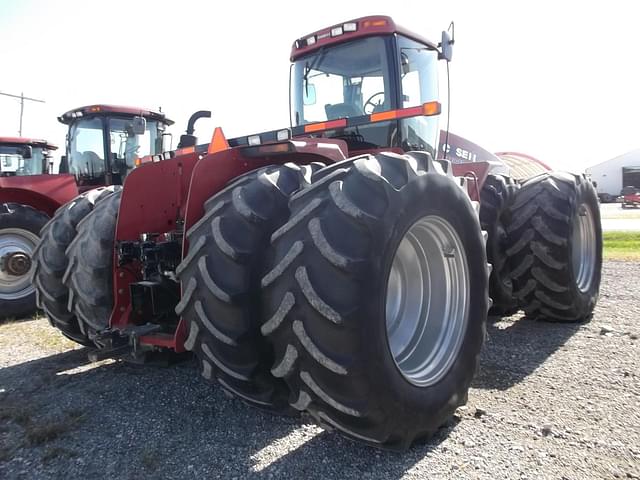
(16, 242)
(427, 301)
(584, 248)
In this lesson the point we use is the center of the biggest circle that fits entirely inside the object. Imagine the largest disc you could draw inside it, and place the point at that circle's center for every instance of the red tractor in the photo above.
(337, 267)
(103, 145)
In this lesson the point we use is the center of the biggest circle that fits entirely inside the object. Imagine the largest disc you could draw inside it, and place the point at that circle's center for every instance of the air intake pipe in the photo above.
(189, 139)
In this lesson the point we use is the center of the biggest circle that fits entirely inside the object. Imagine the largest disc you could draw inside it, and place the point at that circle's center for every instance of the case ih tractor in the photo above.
(334, 267)
(102, 147)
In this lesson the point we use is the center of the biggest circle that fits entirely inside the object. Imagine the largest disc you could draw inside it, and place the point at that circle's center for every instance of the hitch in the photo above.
(124, 344)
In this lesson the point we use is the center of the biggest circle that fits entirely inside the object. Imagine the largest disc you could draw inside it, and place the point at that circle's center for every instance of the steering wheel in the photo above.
(370, 102)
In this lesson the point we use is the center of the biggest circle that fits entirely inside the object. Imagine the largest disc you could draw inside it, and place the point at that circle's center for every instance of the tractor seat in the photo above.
(341, 110)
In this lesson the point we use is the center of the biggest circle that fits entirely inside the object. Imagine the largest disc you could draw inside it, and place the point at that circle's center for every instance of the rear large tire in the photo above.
(377, 248)
(89, 275)
(555, 250)
(19, 235)
(496, 197)
(220, 280)
(50, 261)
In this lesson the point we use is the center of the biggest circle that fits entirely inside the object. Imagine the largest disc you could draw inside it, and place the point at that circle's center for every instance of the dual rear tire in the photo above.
(361, 312)
(52, 260)
(555, 247)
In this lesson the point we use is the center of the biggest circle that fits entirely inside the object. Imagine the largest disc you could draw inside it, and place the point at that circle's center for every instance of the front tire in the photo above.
(341, 277)
(555, 250)
(220, 280)
(19, 236)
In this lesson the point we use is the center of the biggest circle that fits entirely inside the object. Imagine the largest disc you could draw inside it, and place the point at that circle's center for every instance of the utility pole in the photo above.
(22, 99)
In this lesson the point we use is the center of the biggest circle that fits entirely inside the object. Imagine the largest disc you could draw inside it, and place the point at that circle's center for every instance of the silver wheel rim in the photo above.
(427, 301)
(14, 240)
(584, 248)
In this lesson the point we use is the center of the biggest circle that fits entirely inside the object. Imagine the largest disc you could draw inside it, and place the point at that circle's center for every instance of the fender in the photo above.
(43, 192)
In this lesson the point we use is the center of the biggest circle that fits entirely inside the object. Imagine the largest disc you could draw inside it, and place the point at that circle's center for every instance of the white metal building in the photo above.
(612, 175)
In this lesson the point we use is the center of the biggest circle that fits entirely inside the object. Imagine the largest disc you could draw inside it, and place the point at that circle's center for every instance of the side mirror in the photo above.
(167, 142)
(64, 164)
(138, 125)
(446, 47)
(27, 152)
(309, 94)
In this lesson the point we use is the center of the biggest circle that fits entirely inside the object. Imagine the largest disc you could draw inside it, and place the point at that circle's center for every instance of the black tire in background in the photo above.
(89, 274)
(555, 269)
(496, 196)
(19, 229)
(51, 261)
(325, 299)
(220, 280)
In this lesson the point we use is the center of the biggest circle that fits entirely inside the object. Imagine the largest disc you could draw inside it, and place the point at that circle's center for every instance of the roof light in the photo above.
(335, 31)
(374, 23)
(254, 140)
(350, 27)
(311, 40)
(283, 134)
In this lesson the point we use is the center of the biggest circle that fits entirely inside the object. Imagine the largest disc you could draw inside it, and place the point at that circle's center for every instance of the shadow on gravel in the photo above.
(329, 455)
(65, 418)
(515, 349)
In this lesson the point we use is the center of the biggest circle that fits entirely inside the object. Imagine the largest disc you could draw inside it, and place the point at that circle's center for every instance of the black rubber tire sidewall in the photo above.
(585, 301)
(436, 192)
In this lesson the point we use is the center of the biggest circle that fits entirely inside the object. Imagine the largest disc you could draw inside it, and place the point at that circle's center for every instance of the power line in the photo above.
(22, 99)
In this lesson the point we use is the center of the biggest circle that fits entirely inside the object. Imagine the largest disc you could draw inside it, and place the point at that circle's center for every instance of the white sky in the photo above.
(557, 80)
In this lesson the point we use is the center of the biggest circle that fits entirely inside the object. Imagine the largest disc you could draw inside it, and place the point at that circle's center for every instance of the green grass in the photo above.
(621, 245)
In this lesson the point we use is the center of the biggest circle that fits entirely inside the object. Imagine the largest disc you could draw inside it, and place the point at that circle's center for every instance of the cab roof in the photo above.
(351, 30)
(34, 142)
(93, 110)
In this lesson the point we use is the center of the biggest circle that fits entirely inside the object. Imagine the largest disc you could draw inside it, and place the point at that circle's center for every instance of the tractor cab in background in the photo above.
(25, 157)
(105, 142)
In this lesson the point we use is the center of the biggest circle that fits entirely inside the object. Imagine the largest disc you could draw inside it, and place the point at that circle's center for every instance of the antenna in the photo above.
(22, 99)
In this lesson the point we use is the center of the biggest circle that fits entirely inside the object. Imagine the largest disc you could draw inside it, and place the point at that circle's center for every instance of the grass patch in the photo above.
(621, 245)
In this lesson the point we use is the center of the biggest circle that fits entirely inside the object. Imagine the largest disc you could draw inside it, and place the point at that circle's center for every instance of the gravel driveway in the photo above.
(550, 401)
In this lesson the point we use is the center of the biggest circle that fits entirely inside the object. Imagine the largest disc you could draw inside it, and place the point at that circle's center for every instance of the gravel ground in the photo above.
(550, 401)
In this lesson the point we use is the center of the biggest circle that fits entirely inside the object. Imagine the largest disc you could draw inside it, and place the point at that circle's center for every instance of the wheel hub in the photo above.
(584, 248)
(16, 251)
(427, 301)
(16, 263)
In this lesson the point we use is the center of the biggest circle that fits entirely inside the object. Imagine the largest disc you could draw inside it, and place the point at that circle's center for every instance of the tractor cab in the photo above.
(360, 82)
(105, 142)
(24, 157)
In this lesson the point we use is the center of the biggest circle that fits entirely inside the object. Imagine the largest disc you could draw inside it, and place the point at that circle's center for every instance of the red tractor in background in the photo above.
(337, 267)
(104, 143)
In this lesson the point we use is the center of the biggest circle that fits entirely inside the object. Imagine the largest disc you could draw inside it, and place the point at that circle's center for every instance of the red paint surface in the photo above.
(43, 192)
(27, 141)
